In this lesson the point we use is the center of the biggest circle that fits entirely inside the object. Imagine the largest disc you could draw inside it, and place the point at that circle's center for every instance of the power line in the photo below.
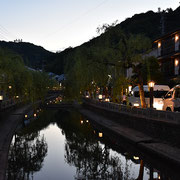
(5, 33)
(77, 19)
(3, 37)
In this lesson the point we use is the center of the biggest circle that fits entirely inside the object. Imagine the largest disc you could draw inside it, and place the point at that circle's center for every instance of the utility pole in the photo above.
(162, 20)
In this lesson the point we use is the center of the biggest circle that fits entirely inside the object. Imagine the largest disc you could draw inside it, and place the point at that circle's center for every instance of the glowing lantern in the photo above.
(100, 135)
(176, 37)
(159, 44)
(176, 62)
(100, 97)
(136, 158)
(1, 97)
(151, 84)
(130, 88)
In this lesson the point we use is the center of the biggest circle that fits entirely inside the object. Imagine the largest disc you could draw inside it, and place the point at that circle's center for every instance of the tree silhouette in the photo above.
(84, 151)
(26, 156)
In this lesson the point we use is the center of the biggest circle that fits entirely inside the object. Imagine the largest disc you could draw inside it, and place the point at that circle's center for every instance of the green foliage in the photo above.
(27, 84)
(88, 67)
(119, 86)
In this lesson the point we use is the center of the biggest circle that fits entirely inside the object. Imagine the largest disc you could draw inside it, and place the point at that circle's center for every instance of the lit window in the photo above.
(176, 62)
(176, 37)
(159, 44)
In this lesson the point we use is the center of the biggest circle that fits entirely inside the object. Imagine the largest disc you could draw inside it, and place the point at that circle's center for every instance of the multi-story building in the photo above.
(168, 54)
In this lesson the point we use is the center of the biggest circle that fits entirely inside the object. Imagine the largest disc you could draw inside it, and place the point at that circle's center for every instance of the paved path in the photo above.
(8, 124)
(142, 141)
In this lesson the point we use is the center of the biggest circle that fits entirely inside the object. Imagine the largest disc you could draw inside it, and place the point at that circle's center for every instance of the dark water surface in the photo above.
(62, 145)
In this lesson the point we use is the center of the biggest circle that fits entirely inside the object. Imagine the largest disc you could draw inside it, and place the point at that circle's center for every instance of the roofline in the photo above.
(167, 35)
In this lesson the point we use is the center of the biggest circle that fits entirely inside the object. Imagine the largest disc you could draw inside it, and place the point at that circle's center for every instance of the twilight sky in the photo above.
(58, 24)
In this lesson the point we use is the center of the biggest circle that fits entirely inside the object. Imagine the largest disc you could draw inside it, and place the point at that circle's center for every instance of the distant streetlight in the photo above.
(100, 97)
(10, 87)
(1, 97)
(151, 88)
(136, 157)
(107, 100)
(176, 37)
(100, 135)
(130, 88)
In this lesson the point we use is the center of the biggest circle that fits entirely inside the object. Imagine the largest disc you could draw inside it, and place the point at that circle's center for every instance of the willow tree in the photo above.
(128, 51)
(27, 84)
(86, 70)
(132, 50)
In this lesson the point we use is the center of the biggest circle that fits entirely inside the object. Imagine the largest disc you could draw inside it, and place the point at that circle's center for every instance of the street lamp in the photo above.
(151, 88)
(100, 134)
(1, 97)
(100, 97)
(130, 88)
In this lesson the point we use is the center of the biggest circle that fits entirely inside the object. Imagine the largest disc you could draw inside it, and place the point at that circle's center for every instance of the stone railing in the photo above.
(148, 113)
(7, 104)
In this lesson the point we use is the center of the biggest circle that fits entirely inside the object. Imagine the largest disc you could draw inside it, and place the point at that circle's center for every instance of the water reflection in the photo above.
(84, 151)
(26, 156)
(88, 153)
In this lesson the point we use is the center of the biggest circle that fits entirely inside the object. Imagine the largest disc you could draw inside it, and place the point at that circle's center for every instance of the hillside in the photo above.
(149, 24)
(33, 56)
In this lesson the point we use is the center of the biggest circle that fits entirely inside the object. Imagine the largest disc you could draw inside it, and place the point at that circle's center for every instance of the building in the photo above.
(168, 54)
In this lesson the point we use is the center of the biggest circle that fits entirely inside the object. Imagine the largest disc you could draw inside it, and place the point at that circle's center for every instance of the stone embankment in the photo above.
(9, 121)
(147, 130)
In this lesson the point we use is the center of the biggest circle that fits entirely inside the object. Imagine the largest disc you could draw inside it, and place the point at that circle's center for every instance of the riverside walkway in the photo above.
(8, 124)
(9, 121)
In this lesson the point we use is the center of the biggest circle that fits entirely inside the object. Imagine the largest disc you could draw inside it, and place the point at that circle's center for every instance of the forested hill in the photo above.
(33, 56)
(149, 24)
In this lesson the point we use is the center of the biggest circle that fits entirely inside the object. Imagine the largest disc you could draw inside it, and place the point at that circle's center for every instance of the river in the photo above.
(64, 145)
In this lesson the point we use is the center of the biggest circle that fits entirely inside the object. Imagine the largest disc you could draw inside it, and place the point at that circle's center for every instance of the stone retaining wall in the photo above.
(173, 117)
(158, 124)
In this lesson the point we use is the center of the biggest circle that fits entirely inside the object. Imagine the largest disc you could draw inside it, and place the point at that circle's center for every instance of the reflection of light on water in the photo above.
(136, 158)
(72, 153)
(54, 165)
(127, 164)
(56, 141)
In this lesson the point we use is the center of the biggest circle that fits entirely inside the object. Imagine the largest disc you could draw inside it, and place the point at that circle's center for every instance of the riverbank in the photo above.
(147, 143)
(9, 121)
(8, 124)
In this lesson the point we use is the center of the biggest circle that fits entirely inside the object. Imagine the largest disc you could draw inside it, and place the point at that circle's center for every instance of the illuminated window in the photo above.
(176, 62)
(176, 37)
(159, 44)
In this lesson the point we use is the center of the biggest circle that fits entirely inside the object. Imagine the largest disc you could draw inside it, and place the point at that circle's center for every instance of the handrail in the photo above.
(133, 111)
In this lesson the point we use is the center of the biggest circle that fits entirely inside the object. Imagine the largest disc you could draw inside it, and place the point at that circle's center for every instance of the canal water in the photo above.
(64, 145)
